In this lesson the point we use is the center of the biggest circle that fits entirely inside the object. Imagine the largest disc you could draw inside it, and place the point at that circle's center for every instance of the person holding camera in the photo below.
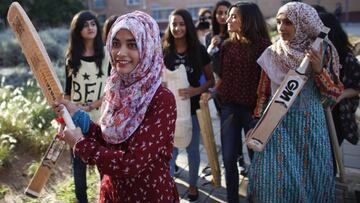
(218, 34)
(203, 26)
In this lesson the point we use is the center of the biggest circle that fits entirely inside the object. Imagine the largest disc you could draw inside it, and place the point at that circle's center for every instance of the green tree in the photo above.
(46, 12)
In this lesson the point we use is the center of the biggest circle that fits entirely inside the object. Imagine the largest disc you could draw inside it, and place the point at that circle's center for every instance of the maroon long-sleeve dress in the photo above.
(136, 170)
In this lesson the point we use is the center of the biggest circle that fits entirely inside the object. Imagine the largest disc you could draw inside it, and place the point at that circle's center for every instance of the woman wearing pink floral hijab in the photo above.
(296, 164)
(134, 142)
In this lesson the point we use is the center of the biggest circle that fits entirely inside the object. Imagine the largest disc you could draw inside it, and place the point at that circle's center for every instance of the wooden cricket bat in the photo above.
(282, 100)
(45, 75)
(335, 144)
(207, 134)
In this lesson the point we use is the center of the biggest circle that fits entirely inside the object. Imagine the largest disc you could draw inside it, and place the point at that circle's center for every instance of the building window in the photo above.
(194, 12)
(161, 14)
(101, 18)
(99, 4)
(133, 2)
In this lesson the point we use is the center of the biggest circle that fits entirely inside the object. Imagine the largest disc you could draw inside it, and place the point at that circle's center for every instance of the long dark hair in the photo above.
(253, 26)
(107, 25)
(192, 41)
(337, 35)
(214, 22)
(76, 45)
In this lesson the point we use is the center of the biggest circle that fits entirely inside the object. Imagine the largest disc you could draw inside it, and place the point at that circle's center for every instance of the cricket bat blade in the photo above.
(45, 75)
(282, 100)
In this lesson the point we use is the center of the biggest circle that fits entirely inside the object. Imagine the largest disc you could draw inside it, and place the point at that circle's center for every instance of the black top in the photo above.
(215, 58)
(172, 62)
(344, 111)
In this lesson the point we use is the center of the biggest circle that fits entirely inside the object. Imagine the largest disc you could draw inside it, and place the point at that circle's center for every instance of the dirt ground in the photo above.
(14, 176)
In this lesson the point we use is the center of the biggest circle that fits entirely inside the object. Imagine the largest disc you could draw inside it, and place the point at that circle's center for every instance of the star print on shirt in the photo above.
(86, 76)
(99, 75)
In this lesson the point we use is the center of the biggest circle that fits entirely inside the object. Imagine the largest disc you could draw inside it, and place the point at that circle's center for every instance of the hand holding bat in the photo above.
(315, 59)
(71, 136)
(187, 93)
(59, 105)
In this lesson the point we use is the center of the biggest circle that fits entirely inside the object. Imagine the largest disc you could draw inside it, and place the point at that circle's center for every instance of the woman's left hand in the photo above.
(187, 93)
(315, 59)
(60, 104)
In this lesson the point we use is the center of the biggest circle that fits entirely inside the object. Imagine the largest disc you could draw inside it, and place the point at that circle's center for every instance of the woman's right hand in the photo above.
(215, 40)
(205, 97)
(59, 105)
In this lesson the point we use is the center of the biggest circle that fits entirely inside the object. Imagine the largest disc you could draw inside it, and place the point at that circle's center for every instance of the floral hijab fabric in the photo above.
(282, 56)
(127, 96)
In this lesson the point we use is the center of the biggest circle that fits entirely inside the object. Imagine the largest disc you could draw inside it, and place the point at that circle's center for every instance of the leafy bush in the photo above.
(3, 191)
(271, 22)
(32, 168)
(26, 116)
(54, 40)
(10, 50)
(7, 145)
(16, 76)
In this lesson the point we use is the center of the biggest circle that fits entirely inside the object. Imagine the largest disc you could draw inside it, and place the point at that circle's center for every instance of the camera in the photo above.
(203, 24)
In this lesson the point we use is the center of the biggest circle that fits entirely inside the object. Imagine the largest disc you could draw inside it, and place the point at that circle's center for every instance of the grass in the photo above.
(3, 191)
(65, 190)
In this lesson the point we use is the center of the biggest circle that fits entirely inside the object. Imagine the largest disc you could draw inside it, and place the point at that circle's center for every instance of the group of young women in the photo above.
(131, 142)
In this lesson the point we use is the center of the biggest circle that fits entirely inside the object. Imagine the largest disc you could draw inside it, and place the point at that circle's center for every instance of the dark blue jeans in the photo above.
(234, 118)
(79, 172)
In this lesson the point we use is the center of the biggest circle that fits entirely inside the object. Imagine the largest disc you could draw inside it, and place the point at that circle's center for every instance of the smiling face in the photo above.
(124, 52)
(177, 27)
(285, 27)
(89, 30)
(234, 20)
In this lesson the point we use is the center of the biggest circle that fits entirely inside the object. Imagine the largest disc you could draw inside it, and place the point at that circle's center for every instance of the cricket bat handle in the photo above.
(315, 45)
(68, 120)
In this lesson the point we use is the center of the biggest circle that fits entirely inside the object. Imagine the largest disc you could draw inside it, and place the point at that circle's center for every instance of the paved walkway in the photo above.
(352, 28)
(209, 193)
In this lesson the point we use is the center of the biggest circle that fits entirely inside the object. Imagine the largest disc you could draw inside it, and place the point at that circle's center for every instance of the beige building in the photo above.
(160, 9)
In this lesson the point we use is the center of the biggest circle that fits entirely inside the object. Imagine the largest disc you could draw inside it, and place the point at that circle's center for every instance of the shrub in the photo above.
(26, 116)
(3, 191)
(271, 22)
(10, 51)
(54, 40)
(16, 76)
(7, 146)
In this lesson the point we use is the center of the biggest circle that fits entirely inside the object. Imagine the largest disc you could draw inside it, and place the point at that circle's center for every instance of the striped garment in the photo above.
(296, 164)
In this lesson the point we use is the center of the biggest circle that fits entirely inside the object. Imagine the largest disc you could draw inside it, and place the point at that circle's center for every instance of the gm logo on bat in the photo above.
(289, 91)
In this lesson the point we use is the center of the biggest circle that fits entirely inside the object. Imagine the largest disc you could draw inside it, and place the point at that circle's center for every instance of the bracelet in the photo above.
(90, 106)
(73, 148)
(60, 120)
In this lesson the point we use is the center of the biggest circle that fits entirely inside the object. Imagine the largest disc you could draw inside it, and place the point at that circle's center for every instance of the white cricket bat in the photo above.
(42, 69)
(282, 100)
